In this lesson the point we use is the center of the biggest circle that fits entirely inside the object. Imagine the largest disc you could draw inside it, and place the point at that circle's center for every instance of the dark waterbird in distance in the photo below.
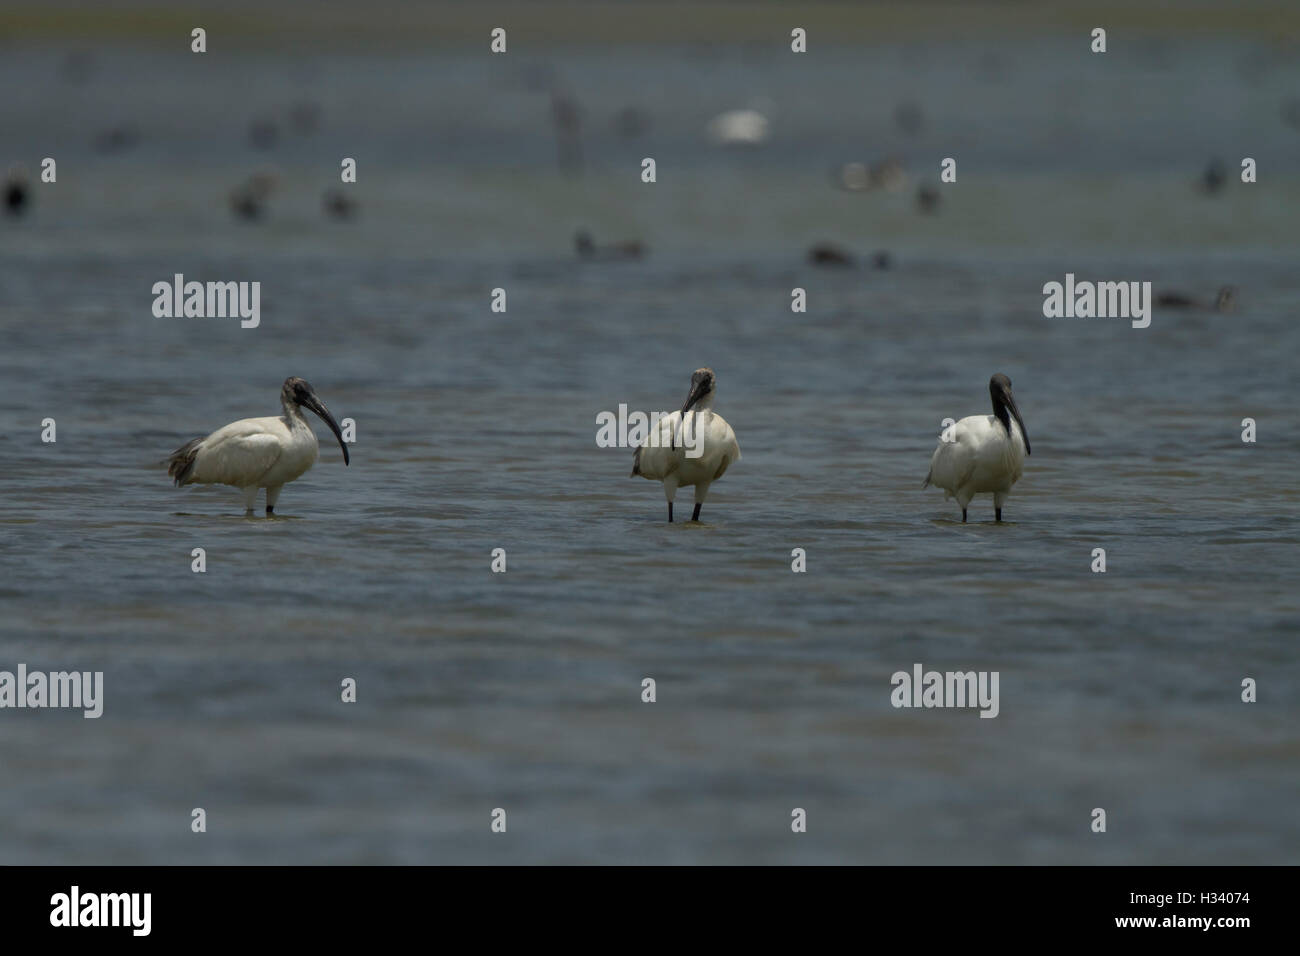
(626, 250)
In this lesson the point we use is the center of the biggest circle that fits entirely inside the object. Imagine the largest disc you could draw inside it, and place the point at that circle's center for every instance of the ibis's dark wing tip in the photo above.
(181, 462)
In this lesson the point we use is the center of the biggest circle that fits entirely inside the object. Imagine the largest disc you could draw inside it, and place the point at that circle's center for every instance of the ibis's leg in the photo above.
(250, 499)
(670, 492)
(998, 498)
(997, 514)
(272, 496)
(963, 515)
(701, 492)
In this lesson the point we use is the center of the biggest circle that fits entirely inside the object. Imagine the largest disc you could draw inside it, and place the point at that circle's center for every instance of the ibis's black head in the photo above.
(1004, 406)
(297, 392)
(703, 384)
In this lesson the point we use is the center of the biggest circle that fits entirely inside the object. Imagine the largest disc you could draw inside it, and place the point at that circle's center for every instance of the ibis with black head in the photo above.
(694, 446)
(258, 453)
(982, 453)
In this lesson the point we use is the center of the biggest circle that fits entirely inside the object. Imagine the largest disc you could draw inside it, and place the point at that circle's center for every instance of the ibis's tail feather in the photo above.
(636, 463)
(181, 462)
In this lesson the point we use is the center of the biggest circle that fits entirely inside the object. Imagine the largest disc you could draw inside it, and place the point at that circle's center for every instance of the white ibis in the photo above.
(986, 452)
(694, 446)
(258, 452)
(738, 128)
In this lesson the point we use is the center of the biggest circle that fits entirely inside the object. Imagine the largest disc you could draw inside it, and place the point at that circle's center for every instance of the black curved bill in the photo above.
(317, 406)
(698, 391)
(1015, 413)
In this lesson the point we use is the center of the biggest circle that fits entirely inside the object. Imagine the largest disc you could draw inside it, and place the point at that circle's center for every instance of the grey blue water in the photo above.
(475, 430)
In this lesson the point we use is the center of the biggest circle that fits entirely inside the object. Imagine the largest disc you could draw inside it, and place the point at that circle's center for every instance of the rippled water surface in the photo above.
(476, 430)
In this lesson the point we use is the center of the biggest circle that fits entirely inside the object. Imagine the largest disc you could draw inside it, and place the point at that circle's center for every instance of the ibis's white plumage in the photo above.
(738, 128)
(986, 453)
(257, 453)
(670, 454)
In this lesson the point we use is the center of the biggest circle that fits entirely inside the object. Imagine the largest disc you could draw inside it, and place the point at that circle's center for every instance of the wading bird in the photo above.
(248, 199)
(15, 190)
(625, 250)
(258, 452)
(985, 453)
(1214, 177)
(338, 204)
(738, 128)
(829, 254)
(1225, 301)
(696, 429)
(927, 199)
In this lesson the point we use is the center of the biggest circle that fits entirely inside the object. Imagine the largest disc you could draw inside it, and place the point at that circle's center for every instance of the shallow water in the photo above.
(476, 430)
